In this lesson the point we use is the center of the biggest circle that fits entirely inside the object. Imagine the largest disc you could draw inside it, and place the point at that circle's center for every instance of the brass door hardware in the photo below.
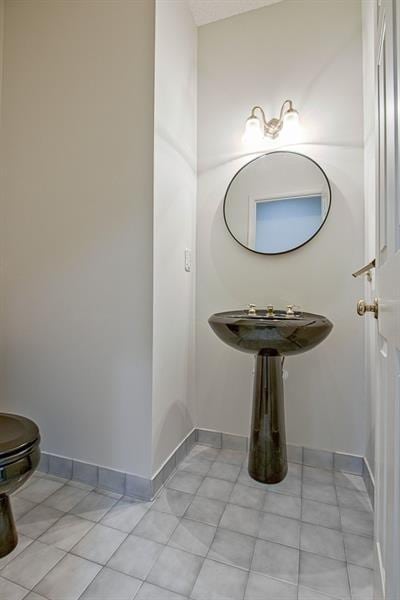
(251, 309)
(365, 270)
(363, 307)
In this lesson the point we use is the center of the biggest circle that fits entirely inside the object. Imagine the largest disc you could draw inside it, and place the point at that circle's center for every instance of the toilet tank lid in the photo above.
(16, 432)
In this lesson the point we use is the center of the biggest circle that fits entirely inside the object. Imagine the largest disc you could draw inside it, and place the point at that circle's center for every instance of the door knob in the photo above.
(363, 307)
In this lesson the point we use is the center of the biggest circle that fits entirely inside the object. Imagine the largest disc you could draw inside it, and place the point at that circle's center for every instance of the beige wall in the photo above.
(174, 226)
(308, 51)
(77, 219)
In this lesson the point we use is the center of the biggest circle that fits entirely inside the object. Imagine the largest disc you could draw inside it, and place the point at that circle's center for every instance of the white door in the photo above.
(387, 470)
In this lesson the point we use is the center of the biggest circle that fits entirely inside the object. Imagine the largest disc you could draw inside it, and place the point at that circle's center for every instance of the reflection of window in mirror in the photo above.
(279, 224)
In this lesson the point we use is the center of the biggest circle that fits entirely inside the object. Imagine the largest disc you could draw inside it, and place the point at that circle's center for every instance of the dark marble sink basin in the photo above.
(271, 337)
(278, 335)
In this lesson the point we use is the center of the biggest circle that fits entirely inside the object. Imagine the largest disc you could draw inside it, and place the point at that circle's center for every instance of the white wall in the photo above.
(77, 219)
(369, 17)
(310, 52)
(174, 225)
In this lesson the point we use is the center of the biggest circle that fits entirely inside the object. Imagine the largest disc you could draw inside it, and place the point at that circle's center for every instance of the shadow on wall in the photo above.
(178, 418)
(313, 113)
(243, 158)
(320, 82)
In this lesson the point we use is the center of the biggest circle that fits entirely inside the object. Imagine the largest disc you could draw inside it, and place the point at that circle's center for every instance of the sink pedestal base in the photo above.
(267, 453)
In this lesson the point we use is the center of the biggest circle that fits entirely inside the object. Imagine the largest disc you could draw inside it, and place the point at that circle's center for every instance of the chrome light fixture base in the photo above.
(257, 127)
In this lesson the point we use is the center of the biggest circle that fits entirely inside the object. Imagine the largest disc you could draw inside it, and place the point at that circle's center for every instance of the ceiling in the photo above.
(206, 11)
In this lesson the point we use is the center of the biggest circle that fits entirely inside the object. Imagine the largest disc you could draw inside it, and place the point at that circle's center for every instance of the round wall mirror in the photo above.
(277, 202)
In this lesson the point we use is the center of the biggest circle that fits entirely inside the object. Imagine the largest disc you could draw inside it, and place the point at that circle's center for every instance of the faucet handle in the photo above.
(270, 310)
(292, 309)
(252, 309)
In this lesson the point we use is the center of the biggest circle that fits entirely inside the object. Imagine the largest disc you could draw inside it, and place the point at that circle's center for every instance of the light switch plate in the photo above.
(188, 260)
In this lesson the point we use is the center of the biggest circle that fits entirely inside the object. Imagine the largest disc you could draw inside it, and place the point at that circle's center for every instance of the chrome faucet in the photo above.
(252, 309)
(292, 310)
(270, 310)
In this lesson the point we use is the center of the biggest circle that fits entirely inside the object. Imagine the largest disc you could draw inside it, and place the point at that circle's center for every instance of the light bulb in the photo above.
(291, 118)
(253, 131)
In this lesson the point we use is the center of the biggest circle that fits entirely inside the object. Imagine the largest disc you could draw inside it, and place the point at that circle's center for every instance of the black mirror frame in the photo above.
(300, 245)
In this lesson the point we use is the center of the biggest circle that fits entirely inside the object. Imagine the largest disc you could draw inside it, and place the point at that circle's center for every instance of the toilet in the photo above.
(19, 457)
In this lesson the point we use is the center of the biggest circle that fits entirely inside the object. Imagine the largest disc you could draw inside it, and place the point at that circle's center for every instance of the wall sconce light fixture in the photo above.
(256, 129)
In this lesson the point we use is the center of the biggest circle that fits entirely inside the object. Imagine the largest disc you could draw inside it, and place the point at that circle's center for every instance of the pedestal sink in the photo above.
(272, 335)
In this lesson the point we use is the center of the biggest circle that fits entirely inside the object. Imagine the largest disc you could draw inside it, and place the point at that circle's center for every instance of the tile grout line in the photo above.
(134, 576)
(47, 528)
(53, 567)
(90, 582)
(237, 481)
(66, 553)
(255, 538)
(184, 448)
(14, 583)
(165, 545)
(215, 533)
(167, 588)
(251, 563)
(344, 545)
(261, 511)
(301, 515)
(56, 565)
(71, 551)
(218, 526)
(101, 565)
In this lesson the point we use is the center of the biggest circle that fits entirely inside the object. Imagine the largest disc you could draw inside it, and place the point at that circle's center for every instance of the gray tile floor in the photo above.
(212, 534)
